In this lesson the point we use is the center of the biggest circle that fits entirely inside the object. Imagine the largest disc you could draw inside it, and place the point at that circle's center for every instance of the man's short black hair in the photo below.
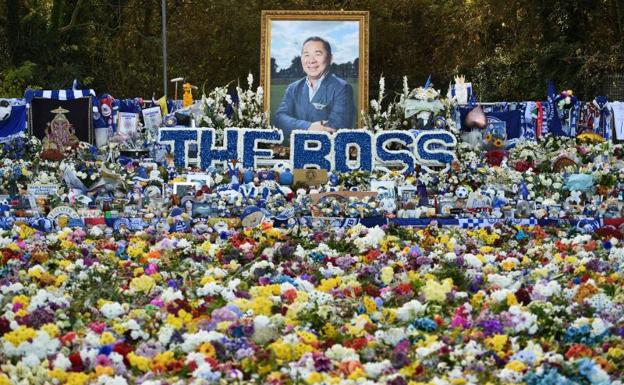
(318, 38)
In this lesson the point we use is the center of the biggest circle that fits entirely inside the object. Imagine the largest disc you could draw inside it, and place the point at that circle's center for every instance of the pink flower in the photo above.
(97, 327)
(157, 302)
(152, 268)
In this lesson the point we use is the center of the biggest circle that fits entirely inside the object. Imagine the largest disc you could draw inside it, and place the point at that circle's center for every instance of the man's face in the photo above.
(314, 59)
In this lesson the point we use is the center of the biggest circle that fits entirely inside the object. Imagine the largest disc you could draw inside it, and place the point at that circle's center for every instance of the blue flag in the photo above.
(551, 122)
(15, 123)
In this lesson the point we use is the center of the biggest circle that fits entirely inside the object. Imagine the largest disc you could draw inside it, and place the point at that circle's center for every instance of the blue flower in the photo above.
(425, 324)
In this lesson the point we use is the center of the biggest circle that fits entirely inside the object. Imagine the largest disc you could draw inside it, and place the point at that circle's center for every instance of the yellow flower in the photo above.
(387, 273)
(329, 331)
(183, 319)
(144, 283)
(357, 373)
(496, 342)
(329, 284)
(139, 362)
(508, 265)
(511, 299)
(19, 335)
(35, 272)
(77, 379)
(162, 359)
(61, 279)
(370, 305)
(516, 366)
(58, 374)
(314, 378)
(4, 380)
(615, 352)
(104, 371)
(307, 337)
(119, 328)
(205, 247)
(281, 350)
(51, 329)
(435, 291)
(22, 299)
(107, 338)
(261, 306)
(300, 349)
(208, 349)
(136, 249)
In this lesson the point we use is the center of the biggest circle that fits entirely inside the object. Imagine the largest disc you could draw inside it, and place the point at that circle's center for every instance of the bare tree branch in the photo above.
(74, 16)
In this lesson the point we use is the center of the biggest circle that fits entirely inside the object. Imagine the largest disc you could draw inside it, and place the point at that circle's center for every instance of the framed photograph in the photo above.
(152, 117)
(128, 123)
(407, 193)
(314, 68)
(182, 188)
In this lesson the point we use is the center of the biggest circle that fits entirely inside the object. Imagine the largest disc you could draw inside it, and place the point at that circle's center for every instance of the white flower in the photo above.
(410, 311)
(193, 340)
(391, 336)
(340, 353)
(62, 362)
(112, 310)
(376, 369)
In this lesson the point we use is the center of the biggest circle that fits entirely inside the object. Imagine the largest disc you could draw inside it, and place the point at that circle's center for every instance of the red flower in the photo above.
(76, 362)
(123, 349)
(290, 295)
(495, 157)
(67, 338)
(404, 289)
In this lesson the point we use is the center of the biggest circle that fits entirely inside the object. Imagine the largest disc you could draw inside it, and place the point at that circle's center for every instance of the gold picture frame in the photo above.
(271, 16)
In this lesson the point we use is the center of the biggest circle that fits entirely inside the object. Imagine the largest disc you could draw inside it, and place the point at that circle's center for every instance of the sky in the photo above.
(287, 37)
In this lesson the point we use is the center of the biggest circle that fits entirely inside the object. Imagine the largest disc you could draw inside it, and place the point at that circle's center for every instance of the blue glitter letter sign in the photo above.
(303, 155)
(210, 154)
(248, 144)
(360, 139)
(435, 148)
(180, 139)
(395, 157)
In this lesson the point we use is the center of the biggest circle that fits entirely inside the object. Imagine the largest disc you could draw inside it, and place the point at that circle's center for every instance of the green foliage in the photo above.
(14, 80)
(508, 49)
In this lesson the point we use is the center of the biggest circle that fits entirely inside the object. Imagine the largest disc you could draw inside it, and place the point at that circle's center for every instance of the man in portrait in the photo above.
(321, 101)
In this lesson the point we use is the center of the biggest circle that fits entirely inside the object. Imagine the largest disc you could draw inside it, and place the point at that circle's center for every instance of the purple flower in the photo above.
(491, 326)
(322, 363)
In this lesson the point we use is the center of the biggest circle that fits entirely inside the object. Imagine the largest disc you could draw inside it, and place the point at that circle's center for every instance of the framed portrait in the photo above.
(314, 68)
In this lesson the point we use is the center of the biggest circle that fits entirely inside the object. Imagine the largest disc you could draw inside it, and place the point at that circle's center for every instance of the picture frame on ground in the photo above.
(200, 180)
(182, 188)
(128, 123)
(152, 117)
(314, 69)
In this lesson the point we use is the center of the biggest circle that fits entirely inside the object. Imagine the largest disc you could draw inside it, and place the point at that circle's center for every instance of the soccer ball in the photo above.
(5, 109)
(462, 192)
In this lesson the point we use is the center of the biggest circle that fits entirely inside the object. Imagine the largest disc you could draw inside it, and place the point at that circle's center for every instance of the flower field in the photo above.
(398, 306)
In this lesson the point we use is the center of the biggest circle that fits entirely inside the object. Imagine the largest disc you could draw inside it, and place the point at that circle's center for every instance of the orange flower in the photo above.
(578, 350)
(348, 367)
